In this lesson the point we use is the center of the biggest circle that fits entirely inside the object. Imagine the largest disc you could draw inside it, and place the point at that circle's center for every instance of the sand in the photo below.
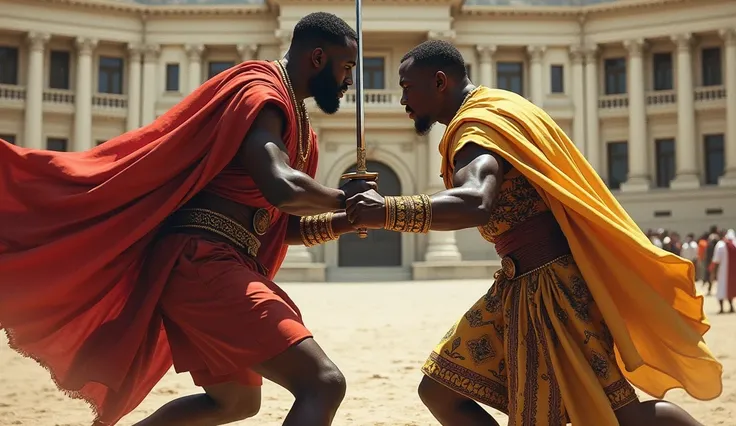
(376, 337)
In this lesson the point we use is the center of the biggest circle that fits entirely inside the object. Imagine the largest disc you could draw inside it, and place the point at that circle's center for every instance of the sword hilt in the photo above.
(361, 175)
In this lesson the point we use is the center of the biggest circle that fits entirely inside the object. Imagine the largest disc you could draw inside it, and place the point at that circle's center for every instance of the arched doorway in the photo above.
(381, 247)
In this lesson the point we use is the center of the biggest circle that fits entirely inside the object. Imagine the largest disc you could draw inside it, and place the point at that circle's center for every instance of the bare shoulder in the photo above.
(270, 118)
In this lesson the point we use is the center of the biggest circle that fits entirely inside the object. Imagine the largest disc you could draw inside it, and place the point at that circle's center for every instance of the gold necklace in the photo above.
(303, 137)
(468, 95)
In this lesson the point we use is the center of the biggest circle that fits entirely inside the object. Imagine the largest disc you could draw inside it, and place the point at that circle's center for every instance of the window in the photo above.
(665, 151)
(110, 75)
(59, 70)
(711, 63)
(172, 77)
(468, 68)
(615, 71)
(557, 75)
(714, 162)
(510, 76)
(662, 67)
(618, 163)
(215, 68)
(8, 65)
(56, 144)
(374, 73)
(8, 138)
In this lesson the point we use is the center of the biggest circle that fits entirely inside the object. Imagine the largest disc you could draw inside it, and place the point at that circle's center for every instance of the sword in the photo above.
(361, 169)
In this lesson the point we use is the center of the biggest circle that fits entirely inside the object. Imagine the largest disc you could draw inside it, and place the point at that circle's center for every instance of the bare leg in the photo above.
(450, 408)
(221, 404)
(654, 413)
(303, 369)
(314, 380)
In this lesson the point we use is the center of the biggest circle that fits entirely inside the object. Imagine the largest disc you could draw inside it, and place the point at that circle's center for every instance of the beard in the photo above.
(422, 125)
(325, 90)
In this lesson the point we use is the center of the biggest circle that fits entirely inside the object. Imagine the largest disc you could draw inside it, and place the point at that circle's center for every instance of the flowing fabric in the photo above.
(77, 228)
(646, 295)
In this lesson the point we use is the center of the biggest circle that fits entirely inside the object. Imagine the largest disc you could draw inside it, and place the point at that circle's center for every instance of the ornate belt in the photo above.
(531, 245)
(212, 221)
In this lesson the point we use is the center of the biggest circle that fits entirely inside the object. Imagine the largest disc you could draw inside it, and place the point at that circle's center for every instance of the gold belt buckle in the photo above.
(261, 221)
(508, 267)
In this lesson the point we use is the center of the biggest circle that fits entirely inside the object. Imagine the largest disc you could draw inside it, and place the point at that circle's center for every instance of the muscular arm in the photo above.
(340, 225)
(477, 179)
(263, 154)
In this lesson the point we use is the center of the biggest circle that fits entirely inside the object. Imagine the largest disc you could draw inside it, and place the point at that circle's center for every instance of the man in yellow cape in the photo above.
(584, 306)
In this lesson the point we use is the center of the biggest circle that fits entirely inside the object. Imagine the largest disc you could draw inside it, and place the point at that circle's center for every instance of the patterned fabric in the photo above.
(532, 342)
(517, 201)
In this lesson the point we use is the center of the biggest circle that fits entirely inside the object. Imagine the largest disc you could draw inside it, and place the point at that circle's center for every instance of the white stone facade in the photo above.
(645, 88)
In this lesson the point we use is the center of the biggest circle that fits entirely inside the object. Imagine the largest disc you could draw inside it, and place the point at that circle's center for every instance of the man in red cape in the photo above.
(159, 246)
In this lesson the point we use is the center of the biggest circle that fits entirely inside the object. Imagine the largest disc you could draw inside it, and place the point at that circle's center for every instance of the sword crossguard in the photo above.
(361, 175)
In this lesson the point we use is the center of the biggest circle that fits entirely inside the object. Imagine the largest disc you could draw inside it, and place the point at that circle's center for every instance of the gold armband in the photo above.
(409, 213)
(316, 229)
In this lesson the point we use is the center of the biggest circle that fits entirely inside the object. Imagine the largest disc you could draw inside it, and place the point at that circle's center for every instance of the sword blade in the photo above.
(361, 166)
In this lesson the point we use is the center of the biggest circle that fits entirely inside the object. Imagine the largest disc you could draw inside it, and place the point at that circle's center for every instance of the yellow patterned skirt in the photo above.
(531, 346)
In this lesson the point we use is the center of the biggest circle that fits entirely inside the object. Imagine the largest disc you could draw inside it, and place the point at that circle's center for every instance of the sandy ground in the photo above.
(376, 338)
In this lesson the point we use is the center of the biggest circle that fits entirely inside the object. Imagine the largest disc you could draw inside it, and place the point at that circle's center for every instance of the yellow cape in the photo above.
(647, 295)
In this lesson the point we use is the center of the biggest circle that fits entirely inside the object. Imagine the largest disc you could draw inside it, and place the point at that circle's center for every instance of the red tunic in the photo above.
(76, 229)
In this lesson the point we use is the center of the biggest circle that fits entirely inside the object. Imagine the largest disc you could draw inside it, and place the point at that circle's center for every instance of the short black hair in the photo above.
(320, 27)
(440, 55)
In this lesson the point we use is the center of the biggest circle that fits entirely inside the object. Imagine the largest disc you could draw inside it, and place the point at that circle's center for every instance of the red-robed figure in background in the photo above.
(159, 246)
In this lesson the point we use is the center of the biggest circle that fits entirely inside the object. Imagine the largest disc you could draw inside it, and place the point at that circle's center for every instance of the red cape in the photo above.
(78, 226)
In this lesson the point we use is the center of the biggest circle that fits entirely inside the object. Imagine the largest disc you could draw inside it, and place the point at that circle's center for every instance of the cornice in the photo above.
(572, 11)
(352, 2)
(168, 10)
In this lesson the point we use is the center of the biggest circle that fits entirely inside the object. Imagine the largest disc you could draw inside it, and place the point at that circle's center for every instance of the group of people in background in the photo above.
(710, 253)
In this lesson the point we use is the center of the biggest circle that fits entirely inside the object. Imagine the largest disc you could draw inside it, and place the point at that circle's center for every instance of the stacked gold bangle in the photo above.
(317, 229)
(409, 213)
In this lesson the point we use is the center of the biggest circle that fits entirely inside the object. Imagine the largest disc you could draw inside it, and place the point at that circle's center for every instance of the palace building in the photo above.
(645, 88)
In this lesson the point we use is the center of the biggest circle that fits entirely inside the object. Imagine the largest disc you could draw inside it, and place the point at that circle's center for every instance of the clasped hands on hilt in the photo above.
(370, 210)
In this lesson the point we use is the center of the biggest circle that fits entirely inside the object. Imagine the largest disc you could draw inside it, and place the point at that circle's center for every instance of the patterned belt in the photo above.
(530, 246)
(212, 221)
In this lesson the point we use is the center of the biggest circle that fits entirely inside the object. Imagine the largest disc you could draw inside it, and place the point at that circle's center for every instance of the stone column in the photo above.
(83, 97)
(247, 52)
(441, 245)
(33, 134)
(485, 62)
(536, 55)
(578, 98)
(194, 51)
(148, 106)
(592, 124)
(284, 38)
(686, 151)
(729, 38)
(134, 86)
(639, 177)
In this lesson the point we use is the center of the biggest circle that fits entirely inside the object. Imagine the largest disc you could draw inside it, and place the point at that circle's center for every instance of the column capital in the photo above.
(151, 52)
(728, 35)
(283, 36)
(194, 51)
(635, 46)
(447, 35)
(37, 41)
(135, 50)
(577, 54)
(486, 52)
(247, 52)
(591, 54)
(683, 41)
(85, 45)
(536, 52)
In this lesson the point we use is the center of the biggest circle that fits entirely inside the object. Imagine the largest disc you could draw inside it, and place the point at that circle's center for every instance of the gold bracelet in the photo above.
(409, 213)
(317, 229)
